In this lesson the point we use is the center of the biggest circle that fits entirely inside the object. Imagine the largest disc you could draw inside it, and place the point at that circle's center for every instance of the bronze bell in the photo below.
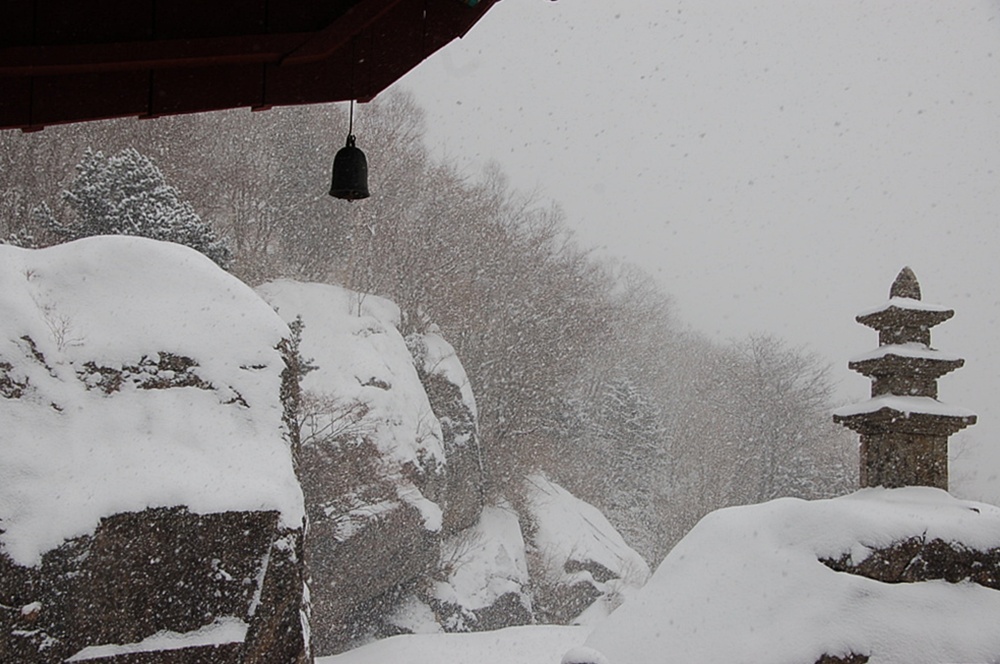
(350, 173)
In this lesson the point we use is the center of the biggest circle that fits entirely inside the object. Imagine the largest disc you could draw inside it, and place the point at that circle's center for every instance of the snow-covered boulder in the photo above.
(581, 566)
(481, 582)
(486, 584)
(879, 576)
(146, 475)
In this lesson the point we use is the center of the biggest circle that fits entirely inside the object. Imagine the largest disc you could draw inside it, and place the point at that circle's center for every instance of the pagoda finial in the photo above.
(905, 285)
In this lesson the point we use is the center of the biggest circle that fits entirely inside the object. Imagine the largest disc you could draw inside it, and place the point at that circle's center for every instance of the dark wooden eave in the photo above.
(74, 60)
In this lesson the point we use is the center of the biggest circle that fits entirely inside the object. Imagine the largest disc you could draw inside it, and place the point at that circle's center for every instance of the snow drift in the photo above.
(580, 556)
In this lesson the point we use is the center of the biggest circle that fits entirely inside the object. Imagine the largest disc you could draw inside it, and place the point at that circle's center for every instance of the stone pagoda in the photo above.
(904, 428)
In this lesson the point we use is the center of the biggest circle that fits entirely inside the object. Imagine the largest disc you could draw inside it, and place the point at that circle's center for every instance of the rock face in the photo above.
(454, 405)
(551, 559)
(149, 506)
(919, 559)
(481, 582)
(187, 574)
(149, 510)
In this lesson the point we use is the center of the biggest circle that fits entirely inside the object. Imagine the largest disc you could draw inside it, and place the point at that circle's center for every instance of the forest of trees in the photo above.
(579, 367)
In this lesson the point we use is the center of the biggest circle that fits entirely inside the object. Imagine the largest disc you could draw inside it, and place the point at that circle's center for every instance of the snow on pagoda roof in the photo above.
(904, 405)
(908, 304)
(911, 350)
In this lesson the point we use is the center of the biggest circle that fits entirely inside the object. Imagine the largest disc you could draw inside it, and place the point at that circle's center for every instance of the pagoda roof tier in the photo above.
(904, 312)
(908, 358)
(899, 414)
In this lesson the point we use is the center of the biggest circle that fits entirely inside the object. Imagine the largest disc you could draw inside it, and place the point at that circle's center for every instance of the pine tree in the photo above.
(125, 194)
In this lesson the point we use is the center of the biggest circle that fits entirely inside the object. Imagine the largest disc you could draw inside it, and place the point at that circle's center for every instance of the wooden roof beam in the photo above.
(167, 54)
(329, 40)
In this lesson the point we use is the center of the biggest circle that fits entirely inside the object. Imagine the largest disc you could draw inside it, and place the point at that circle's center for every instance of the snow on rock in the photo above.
(362, 361)
(514, 645)
(558, 560)
(89, 331)
(747, 585)
(373, 461)
(223, 631)
(484, 562)
(437, 356)
(570, 529)
(583, 655)
(484, 574)
(576, 544)
(449, 393)
(414, 616)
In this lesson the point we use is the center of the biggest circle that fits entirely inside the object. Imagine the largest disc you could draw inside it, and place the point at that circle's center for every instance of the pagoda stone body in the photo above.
(904, 428)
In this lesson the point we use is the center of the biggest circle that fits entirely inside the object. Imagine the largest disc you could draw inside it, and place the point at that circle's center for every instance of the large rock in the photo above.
(918, 558)
(581, 567)
(481, 581)
(373, 462)
(148, 502)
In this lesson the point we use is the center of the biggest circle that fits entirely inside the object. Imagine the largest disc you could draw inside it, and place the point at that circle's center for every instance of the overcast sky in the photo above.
(773, 164)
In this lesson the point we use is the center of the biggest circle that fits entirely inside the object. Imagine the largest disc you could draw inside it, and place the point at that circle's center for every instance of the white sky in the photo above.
(774, 164)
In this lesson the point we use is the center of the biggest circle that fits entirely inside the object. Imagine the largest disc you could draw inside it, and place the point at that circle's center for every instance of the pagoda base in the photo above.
(894, 460)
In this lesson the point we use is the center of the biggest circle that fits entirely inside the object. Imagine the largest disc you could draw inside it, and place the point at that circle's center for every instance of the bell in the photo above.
(350, 173)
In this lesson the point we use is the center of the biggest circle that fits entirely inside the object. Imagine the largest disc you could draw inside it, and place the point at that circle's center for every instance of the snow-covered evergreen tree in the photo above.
(125, 194)
(629, 426)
